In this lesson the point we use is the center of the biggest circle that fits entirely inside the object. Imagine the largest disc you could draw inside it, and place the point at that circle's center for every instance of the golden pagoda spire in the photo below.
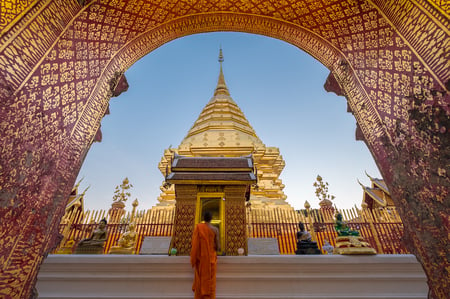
(222, 130)
(221, 85)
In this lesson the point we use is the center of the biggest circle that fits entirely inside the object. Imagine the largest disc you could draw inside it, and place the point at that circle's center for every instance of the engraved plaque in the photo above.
(263, 246)
(155, 245)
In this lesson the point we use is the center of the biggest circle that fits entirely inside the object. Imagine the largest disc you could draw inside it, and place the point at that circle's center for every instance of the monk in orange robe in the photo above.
(205, 243)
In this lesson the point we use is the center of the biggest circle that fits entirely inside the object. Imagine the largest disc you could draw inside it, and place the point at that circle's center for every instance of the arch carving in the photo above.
(59, 68)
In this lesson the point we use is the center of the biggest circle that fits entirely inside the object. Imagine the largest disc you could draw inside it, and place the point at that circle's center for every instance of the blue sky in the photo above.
(278, 87)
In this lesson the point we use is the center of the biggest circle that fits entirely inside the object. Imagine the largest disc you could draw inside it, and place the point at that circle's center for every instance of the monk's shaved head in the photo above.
(207, 216)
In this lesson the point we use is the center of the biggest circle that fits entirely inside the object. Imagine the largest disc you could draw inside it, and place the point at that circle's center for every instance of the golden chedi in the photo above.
(222, 130)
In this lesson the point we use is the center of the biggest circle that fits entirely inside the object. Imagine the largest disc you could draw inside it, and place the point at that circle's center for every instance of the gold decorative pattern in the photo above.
(11, 11)
(417, 20)
(235, 221)
(184, 223)
(58, 68)
(28, 42)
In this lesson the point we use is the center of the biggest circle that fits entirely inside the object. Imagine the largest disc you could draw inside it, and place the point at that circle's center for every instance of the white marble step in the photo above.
(247, 277)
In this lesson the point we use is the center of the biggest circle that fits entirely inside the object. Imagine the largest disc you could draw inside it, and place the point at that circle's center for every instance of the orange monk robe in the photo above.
(204, 261)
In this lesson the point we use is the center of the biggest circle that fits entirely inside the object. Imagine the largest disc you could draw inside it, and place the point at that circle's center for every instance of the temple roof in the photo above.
(207, 178)
(181, 163)
(211, 170)
(378, 183)
(76, 200)
(377, 192)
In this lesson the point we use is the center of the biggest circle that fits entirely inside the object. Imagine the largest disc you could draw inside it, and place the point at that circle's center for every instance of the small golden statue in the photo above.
(349, 241)
(94, 244)
(127, 242)
(67, 248)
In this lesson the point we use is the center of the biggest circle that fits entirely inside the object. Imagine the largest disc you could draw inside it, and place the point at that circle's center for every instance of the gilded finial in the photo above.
(135, 203)
(221, 85)
(220, 55)
(75, 188)
(84, 192)
(307, 205)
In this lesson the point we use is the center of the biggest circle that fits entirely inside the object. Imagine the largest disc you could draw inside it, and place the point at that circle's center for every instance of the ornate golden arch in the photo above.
(59, 68)
(318, 47)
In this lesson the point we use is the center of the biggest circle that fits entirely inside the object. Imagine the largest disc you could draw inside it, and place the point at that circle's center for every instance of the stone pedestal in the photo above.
(89, 250)
(307, 247)
(352, 245)
(121, 250)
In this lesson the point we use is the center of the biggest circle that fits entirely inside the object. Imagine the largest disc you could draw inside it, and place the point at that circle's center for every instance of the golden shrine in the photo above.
(220, 185)
(222, 130)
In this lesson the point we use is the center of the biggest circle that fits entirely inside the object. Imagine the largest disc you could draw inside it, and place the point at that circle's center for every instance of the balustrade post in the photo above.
(308, 212)
(133, 212)
(368, 218)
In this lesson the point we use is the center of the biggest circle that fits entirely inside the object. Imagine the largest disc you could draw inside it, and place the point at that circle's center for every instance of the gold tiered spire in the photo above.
(223, 117)
(222, 130)
(221, 85)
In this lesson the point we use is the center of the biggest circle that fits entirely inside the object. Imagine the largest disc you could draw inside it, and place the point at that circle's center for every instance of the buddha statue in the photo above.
(349, 241)
(304, 243)
(127, 242)
(342, 228)
(67, 248)
(94, 244)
